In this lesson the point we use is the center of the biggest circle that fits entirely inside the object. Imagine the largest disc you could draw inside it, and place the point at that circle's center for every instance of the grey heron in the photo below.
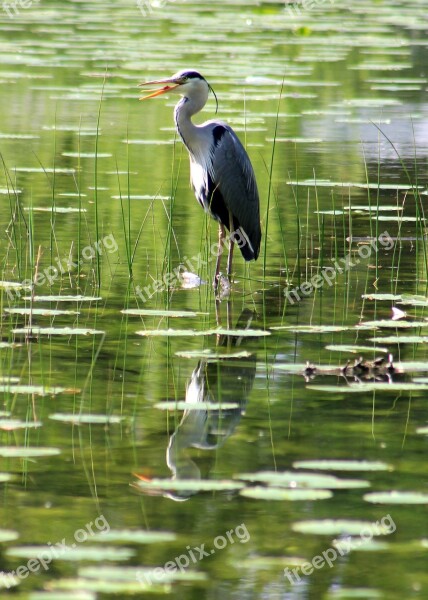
(221, 173)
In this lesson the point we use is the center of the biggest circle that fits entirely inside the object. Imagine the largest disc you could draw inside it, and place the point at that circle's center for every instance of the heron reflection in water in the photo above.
(219, 380)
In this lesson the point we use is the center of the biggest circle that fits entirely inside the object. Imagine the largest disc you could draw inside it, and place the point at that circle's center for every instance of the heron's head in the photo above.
(187, 83)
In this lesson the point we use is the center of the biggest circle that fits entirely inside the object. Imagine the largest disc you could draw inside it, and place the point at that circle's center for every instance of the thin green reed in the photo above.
(97, 227)
(275, 133)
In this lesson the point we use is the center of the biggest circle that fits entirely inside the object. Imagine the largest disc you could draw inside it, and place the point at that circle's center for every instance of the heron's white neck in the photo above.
(184, 111)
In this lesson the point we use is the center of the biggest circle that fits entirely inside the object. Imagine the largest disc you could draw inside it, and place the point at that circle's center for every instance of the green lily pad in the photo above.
(57, 331)
(343, 465)
(140, 312)
(345, 593)
(271, 493)
(388, 323)
(85, 419)
(13, 424)
(391, 297)
(294, 480)
(19, 452)
(56, 209)
(57, 595)
(8, 535)
(64, 298)
(37, 390)
(396, 497)
(194, 333)
(338, 527)
(310, 328)
(212, 355)
(43, 312)
(364, 387)
(75, 552)
(135, 536)
(196, 485)
(400, 339)
(354, 349)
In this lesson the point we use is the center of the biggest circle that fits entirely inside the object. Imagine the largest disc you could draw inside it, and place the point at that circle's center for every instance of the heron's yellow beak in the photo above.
(153, 93)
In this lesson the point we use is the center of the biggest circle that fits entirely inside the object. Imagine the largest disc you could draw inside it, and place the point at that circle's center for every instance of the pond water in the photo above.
(155, 441)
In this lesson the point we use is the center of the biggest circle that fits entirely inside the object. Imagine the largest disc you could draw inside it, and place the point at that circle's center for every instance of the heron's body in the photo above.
(220, 170)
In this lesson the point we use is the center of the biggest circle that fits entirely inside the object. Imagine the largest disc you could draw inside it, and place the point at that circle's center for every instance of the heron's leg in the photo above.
(221, 236)
(231, 244)
(229, 258)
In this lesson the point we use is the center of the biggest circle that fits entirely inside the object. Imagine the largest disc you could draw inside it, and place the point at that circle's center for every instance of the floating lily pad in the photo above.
(64, 298)
(109, 587)
(87, 154)
(140, 312)
(139, 574)
(413, 300)
(194, 333)
(373, 208)
(339, 527)
(386, 323)
(294, 480)
(211, 355)
(196, 485)
(140, 197)
(56, 209)
(343, 465)
(43, 312)
(14, 285)
(183, 405)
(8, 535)
(84, 419)
(400, 339)
(56, 331)
(354, 349)
(345, 593)
(422, 430)
(19, 452)
(75, 552)
(135, 536)
(271, 493)
(392, 297)
(38, 390)
(57, 595)
(5, 477)
(396, 497)
(13, 424)
(43, 170)
(310, 328)
(348, 184)
(364, 387)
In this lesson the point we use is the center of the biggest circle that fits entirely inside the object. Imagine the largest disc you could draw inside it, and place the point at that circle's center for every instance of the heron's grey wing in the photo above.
(233, 176)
